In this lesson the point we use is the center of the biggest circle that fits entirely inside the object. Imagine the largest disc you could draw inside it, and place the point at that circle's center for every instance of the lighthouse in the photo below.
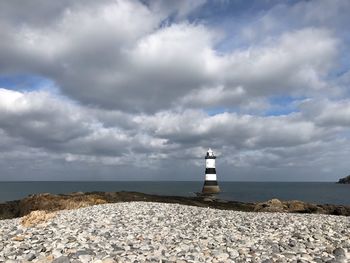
(210, 185)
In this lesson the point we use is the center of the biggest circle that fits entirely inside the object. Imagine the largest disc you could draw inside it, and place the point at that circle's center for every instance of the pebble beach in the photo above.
(159, 232)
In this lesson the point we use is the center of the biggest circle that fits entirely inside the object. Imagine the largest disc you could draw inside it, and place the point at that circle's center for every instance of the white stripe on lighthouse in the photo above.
(210, 163)
(210, 177)
(210, 184)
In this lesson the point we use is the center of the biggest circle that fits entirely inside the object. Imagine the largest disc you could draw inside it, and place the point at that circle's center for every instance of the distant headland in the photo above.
(345, 180)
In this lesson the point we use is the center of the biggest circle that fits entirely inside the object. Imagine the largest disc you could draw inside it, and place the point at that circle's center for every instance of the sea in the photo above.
(314, 192)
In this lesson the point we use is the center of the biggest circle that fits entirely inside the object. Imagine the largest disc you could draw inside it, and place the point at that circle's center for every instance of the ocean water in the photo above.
(320, 193)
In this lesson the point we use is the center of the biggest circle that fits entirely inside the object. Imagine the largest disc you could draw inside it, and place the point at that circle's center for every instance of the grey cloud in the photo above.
(55, 124)
(149, 77)
(137, 78)
(179, 8)
(141, 67)
(241, 141)
(293, 64)
(39, 118)
(40, 12)
(242, 132)
(328, 113)
(292, 16)
(159, 80)
(58, 125)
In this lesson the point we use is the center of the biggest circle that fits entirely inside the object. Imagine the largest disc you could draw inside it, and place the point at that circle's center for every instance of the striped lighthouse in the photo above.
(210, 185)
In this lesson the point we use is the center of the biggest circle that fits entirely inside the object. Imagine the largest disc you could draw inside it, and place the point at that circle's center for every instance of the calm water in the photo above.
(321, 193)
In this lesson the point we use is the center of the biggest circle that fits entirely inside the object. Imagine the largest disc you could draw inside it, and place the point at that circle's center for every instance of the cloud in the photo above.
(284, 65)
(239, 131)
(40, 120)
(57, 124)
(180, 8)
(214, 96)
(148, 67)
(328, 113)
(139, 84)
(40, 126)
(30, 115)
(299, 14)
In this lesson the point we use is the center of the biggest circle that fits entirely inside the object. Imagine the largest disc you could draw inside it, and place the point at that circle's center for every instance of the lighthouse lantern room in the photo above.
(210, 184)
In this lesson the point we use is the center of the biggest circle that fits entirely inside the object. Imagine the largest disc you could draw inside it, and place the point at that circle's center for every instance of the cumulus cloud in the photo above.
(293, 62)
(239, 131)
(328, 113)
(142, 83)
(148, 67)
(57, 125)
(40, 118)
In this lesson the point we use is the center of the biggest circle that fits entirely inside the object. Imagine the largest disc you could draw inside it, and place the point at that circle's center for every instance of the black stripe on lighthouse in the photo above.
(210, 171)
(210, 183)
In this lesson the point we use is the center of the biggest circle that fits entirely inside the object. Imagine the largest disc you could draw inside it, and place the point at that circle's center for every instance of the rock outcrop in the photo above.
(294, 206)
(345, 180)
(273, 205)
(36, 218)
(52, 203)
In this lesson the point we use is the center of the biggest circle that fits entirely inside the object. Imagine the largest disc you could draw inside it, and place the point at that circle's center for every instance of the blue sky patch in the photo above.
(283, 105)
(215, 111)
(26, 82)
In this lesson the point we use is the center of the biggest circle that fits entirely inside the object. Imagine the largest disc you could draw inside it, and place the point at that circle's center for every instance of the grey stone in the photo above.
(62, 259)
(233, 253)
(84, 252)
(108, 260)
(222, 256)
(30, 257)
(129, 233)
(339, 252)
(85, 258)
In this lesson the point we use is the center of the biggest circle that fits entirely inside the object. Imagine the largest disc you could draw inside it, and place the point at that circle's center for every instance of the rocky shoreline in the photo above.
(51, 202)
(134, 227)
(173, 233)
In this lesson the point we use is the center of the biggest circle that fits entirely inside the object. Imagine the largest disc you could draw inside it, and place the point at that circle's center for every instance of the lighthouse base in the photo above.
(210, 187)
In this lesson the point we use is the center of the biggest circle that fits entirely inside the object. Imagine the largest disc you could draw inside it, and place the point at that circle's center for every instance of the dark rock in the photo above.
(345, 180)
(275, 248)
(275, 205)
(339, 252)
(30, 257)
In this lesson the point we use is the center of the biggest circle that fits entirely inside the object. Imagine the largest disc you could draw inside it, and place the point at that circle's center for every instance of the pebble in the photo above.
(62, 259)
(339, 252)
(156, 232)
(85, 258)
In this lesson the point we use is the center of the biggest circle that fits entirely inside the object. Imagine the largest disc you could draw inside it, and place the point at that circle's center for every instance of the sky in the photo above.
(140, 89)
